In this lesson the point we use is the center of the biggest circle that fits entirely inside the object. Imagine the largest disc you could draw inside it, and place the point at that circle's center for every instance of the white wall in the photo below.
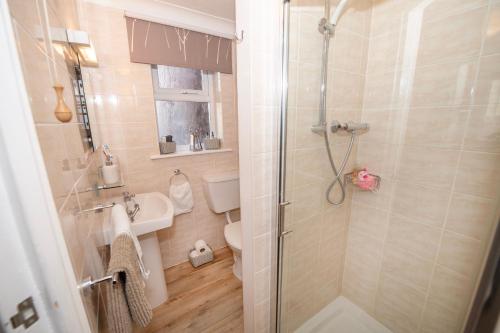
(258, 70)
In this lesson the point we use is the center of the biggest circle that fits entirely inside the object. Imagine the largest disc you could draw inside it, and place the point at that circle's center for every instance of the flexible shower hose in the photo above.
(337, 174)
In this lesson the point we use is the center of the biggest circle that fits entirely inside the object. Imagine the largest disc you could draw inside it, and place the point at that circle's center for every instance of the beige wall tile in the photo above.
(305, 233)
(461, 32)
(450, 290)
(363, 249)
(477, 174)
(307, 202)
(398, 306)
(405, 267)
(438, 319)
(347, 52)
(381, 90)
(308, 85)
(112, 134)
(311, 41)
(460, 253)
(486, 90)
(310, 166)
(359, 286)
(304, 137)
(381, 159)
(482, 130)
(301, 265)
(445, 84)
(424, 141)
(388, 15)
(436, 10)
(409, 199)
(416, 238)
(383, 53)
(56, 160)
(429, 166)
(438, 127)
(371, 221)
(385, 126)
(140, 135)
(345, 90)
(335, 220)
(27, 14)
(471, 216)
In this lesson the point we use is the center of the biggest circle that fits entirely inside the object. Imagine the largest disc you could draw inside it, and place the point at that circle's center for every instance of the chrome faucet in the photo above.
(131, 214)
(129, 197)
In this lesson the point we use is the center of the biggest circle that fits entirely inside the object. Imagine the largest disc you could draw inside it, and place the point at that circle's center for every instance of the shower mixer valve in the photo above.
(336, 126)
(348, 127)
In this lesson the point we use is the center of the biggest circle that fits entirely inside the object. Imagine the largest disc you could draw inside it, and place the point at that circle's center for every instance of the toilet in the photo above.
(222, 191)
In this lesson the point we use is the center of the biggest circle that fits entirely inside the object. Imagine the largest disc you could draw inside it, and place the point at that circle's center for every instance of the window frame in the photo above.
(205, 95)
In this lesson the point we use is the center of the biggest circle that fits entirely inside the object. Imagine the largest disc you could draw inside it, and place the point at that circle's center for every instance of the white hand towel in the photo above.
(121, 225)
(181, 197)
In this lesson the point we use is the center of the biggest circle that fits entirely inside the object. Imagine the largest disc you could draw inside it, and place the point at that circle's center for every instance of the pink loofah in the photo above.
(366, 181)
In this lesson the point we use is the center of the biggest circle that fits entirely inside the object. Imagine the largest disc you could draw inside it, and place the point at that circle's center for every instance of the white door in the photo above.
(34, 261)
(17, 279)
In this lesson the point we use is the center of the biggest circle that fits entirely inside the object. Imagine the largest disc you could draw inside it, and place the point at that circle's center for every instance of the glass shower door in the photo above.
(405, 257)
(315, 231)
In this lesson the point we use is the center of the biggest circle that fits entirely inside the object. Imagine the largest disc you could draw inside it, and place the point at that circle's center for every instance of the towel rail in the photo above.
(178, 172)
(98, 208)
(89, 283)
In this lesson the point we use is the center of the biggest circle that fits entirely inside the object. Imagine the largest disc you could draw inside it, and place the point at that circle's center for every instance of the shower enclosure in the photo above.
(425, 76)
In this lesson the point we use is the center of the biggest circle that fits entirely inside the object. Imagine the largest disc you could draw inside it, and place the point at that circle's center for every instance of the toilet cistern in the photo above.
(222, 191)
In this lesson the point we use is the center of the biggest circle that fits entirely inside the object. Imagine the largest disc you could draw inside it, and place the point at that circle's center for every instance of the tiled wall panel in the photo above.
(121, 103)
(429, 83)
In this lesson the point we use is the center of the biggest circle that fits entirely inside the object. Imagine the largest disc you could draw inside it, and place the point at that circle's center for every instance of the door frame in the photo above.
(33, 221)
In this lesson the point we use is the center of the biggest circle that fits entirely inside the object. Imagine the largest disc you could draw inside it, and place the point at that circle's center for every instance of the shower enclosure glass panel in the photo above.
(424, 76)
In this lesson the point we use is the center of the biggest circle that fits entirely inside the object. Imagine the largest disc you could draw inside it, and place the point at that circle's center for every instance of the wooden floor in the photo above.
(204, 299)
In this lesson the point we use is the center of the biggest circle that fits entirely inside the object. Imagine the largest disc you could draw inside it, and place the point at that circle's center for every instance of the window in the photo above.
(185, 102)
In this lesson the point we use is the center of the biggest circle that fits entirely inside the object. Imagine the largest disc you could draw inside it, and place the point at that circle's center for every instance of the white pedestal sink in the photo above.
(156, 212)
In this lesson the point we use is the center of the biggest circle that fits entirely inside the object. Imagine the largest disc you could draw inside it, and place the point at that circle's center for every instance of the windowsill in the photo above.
(189, 153)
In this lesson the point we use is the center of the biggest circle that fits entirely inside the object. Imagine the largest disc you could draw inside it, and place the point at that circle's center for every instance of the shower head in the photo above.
(338, 11)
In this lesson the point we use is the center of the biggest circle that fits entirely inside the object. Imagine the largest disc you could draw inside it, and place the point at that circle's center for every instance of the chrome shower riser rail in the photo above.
(328, 30)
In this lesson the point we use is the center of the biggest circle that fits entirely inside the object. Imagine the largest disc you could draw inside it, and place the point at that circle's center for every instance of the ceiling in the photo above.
(219, 8)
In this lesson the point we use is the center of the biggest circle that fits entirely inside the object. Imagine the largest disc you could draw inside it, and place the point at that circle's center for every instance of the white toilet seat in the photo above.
(232, 233)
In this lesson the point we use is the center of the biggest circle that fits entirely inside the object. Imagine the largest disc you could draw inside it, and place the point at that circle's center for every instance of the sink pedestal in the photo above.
(156, 287)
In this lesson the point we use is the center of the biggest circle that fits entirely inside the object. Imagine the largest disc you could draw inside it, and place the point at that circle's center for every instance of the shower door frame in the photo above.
(282, 202)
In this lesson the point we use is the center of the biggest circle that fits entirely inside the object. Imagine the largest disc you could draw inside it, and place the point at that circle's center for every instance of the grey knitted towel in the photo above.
(127, 301)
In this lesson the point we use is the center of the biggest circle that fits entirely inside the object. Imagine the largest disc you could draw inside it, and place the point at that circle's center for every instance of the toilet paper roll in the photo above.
(194, 254)
(200, 246)
(111, 174)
